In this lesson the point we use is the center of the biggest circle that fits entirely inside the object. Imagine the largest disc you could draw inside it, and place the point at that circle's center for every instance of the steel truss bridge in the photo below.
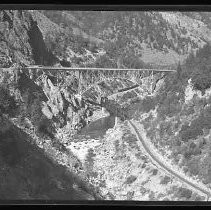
(88, 76)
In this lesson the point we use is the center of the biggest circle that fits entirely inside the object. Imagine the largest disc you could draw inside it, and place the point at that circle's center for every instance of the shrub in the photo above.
(205, 169)
(165, 180)
(133, 61)
(193, 165)
(104, 61)
(169, 103)
(155, 171)
(201, 79)
(34, 112)
(8, 105)
(187, 110)
(183, 192)
(44, 127)
(196, 128)
(190, 133)
(131, 179)
(148, 104)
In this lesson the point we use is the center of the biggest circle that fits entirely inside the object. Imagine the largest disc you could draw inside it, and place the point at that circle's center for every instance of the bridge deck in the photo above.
(53, 68)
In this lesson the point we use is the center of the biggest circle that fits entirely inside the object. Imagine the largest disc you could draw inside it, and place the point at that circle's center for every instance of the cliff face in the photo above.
(21, 40)
(26, 171)
(41, 55)
(14, 38)
(47, 102)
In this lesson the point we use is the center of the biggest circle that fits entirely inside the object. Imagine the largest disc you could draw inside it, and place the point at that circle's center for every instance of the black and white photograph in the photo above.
(105, 105)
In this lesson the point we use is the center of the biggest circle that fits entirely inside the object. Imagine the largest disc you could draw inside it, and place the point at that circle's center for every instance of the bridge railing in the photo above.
(96, 69)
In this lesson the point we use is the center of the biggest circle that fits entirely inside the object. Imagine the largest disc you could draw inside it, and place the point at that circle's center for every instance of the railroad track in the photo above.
(160, 164)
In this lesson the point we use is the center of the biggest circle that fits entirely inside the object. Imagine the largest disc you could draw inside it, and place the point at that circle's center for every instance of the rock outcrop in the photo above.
(26, 172)
(21, 40)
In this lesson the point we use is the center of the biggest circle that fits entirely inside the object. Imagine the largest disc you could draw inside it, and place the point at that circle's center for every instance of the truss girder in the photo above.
(90, 76)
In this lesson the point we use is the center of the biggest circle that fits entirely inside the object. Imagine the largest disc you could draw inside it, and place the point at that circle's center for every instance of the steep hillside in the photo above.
(48, 145)
(29, 37)
(21, 108)
(178, 119)
(14, 38)
(122, 171)
(22, 41)
(161, 38)
(27, 173)
(133, 33)
(67, 20)
(176, 122)
(201, 16)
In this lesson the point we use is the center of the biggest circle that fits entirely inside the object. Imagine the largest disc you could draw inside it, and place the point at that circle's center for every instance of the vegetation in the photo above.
(111, 25)
(124, 35)
(165, 180)
(8, 104)
(184, 126)
(26, 173)
(201, 78)
(197, 68)
(104, 61)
